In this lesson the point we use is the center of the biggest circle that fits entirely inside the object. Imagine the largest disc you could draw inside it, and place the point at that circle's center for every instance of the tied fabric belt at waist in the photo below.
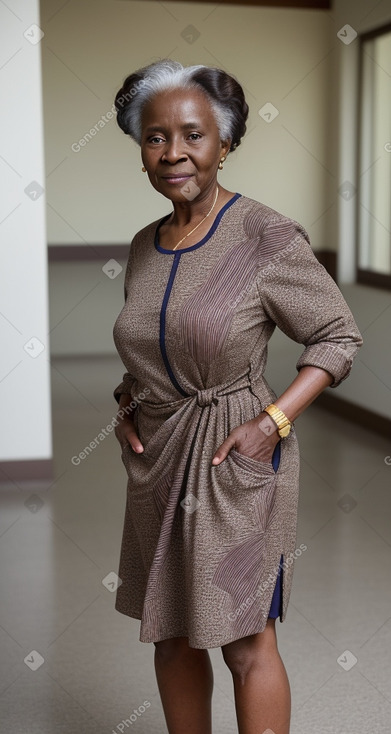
(202, 397)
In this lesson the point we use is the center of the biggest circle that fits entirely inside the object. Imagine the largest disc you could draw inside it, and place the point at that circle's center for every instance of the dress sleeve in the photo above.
(124, 387)
(127, 380)
(303, 300)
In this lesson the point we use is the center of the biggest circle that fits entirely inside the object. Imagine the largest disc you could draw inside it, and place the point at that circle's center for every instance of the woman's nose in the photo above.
(173, 152)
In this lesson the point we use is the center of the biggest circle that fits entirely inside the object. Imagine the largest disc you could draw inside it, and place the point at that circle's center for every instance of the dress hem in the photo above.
(169, 636)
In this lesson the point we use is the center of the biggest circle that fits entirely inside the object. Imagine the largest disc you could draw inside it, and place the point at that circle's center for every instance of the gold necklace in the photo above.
(198, 225)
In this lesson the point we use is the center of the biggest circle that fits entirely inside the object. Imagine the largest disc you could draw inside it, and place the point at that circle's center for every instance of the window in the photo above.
(374, 159)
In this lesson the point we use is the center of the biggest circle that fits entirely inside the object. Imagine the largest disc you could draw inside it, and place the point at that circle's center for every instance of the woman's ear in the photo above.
(225, 146)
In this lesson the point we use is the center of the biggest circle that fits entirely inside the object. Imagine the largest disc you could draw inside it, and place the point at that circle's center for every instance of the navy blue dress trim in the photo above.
(204, 239)
(167, 293)
(163, 325)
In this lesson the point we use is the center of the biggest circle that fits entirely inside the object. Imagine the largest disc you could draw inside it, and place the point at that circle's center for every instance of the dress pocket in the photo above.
(125, 452)
(253, 465)
(247, 487)
(162, 440)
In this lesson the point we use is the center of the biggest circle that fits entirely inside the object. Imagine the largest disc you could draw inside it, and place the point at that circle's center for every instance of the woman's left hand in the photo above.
(256, 438)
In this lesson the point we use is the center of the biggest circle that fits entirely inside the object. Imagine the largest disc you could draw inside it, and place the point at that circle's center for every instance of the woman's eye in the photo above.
(194, 136)
(152, 140)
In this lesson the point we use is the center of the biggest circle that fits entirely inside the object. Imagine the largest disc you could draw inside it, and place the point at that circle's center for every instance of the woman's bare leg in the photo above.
(261, 686)
(185, 681)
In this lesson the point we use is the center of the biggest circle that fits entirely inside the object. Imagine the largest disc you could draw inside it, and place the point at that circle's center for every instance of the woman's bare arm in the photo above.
(307, 385)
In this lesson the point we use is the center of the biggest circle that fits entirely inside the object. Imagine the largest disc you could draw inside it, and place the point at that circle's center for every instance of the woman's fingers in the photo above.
(137, 445)
(223, 450)
(258, 450)
(126, 434)
(132, 438)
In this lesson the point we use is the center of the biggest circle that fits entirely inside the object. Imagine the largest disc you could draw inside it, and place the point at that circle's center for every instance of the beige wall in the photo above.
(295, 164)
(99, 193)
(369, 384)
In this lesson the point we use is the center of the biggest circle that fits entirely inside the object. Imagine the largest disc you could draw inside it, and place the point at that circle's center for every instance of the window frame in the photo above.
(363, 275)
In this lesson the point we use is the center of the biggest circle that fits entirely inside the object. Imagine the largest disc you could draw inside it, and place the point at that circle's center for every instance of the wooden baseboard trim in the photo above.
(15, 473)
(41, 471)
(77, 253)
(103, 253)
(355, 413)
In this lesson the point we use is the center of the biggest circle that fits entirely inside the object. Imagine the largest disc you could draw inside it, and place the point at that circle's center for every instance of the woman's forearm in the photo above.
(307, 385)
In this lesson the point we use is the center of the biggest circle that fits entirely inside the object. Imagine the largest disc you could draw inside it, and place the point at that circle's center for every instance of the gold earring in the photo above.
(221, 162)
(143, 169)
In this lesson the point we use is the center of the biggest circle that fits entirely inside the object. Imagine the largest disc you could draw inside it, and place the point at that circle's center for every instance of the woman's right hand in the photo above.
(126, 433)
(125, 430)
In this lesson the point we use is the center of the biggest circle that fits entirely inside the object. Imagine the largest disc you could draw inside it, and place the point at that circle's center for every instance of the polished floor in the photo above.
(70, 663)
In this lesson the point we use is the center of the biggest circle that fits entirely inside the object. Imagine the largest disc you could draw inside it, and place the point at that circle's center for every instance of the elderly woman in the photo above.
(210, 451)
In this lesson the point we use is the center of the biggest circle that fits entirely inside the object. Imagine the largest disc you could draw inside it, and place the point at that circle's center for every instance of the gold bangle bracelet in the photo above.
(283, 423)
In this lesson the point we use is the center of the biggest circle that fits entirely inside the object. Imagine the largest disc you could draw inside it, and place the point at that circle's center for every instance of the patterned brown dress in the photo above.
(202, 544)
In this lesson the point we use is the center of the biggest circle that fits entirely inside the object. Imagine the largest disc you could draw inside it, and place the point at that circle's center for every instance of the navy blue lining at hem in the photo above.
(276, 603)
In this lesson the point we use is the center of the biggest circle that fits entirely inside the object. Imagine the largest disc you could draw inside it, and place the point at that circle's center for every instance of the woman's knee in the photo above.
(253, 651)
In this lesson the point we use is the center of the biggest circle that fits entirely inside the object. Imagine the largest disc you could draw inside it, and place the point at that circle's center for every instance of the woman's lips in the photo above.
(176, 179)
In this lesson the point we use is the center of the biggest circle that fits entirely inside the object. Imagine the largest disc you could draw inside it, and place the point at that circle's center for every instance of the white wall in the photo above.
(24, 372)
(99, 193)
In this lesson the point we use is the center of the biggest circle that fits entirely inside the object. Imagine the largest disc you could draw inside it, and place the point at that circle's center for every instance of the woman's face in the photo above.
(180, 144)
